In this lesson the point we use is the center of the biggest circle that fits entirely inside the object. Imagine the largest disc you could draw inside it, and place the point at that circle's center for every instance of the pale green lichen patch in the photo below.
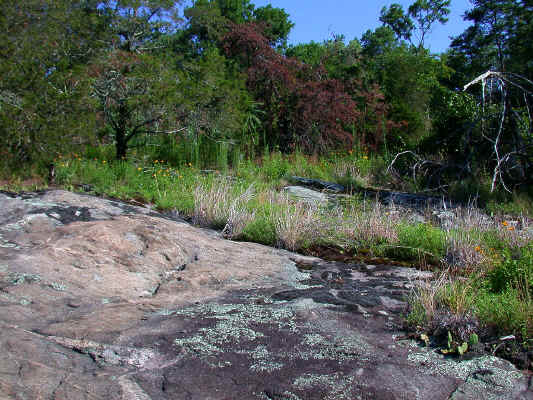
(239, 324)
(295, 277)
(198, 345)
(60, 287)
(263, 360)
(338, 385)
(18, 278)
(23, 301)
(286, 396)
(318, 347)
(241, 314)
(265, 366)
(164, 312)
(236, 326)
(500, 374)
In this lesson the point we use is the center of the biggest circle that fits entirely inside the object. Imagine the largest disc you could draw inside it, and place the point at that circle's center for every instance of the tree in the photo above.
(410, 79)
(44, 46)
(131, 83)
(496, 39)
(134, 94)
(209, 20)
(304, 106)
(426, 13)
(137, 23)
(418, 21)
(398, 21)
(277, 25)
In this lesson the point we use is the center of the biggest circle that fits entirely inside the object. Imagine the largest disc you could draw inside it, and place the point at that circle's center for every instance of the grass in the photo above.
(495, 301)
(486, 268)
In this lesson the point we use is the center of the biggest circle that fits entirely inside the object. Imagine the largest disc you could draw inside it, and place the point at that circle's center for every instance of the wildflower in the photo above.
(181, 176)
(139, 169)
(511, 228)
(478, 249)
(104, 161)
(365, 157)
(156, 161)
(505, 223)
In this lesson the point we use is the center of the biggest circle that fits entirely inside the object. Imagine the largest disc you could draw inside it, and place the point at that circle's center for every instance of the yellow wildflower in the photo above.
(505, 223)
(478, 249)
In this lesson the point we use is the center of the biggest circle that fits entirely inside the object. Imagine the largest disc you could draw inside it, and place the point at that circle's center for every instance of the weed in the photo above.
(514, 270)
(421, 242)
(298, 226)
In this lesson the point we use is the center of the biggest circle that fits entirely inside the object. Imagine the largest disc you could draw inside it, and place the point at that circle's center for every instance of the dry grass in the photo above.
(464, 254)
(238, 215)
(425, 297)
(373, 226)
(297, 224)
(444, 305)
(218, 207)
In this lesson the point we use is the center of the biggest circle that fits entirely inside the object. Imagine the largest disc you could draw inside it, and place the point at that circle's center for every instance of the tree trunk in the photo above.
(121, 145)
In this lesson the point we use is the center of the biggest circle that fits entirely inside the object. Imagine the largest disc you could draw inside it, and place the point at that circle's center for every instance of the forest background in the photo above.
(220, 75)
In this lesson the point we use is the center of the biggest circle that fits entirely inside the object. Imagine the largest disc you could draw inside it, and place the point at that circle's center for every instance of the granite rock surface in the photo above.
(105, 300)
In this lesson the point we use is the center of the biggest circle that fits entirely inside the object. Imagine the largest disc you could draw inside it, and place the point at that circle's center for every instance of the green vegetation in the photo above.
(210, 116)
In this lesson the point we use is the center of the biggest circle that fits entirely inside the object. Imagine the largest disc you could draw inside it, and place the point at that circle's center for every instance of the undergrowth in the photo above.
(486, 283)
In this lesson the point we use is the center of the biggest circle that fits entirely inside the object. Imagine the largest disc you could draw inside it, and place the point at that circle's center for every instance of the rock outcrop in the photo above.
(104, 300)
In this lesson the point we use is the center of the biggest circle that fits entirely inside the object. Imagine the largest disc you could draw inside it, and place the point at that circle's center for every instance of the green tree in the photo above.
(398, 21)
(209, 20)
(418, 21)
(44, 47)
(133, 85)
(496, 39)
(277, 25)
(409, 78)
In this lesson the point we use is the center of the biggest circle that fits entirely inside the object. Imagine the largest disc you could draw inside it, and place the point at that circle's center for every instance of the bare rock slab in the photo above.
(105, 300)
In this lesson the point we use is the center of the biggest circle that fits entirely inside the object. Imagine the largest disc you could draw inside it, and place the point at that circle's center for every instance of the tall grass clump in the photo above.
(298, 225)
(218, 205)
(374, 226)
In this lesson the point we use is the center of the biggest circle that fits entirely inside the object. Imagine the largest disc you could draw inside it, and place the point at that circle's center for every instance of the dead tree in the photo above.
(504, 130)
(506, 124)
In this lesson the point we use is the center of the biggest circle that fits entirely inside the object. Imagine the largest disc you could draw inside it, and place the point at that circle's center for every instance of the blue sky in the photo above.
(318, 19)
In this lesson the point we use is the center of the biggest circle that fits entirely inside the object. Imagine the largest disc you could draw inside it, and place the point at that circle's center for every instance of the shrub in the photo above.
(514, 271)
(506, 312)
